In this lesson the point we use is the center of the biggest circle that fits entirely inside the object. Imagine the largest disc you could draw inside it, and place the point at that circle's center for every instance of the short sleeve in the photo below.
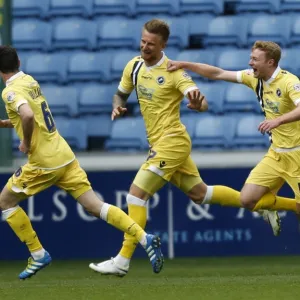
(246, 77)
(184, 82)
(293, 91)
(12, 99)
(126, 85)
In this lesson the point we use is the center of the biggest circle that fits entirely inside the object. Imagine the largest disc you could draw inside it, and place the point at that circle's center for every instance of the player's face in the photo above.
(260, 64)
(151, 46)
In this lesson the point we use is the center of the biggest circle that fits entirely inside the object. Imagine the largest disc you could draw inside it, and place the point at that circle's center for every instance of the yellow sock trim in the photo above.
(139, 215)
(21, 225)
(226, 196)
(119, 219)
(282, 203)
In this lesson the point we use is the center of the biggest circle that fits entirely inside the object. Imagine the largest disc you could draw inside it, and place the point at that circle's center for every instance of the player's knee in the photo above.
(197, 194)
(247, 201)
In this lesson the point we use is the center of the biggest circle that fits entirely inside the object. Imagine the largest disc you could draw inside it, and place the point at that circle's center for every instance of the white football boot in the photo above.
(109, 267)
(273, 219)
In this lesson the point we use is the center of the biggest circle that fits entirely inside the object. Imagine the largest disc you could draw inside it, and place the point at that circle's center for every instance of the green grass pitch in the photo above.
(257, 278)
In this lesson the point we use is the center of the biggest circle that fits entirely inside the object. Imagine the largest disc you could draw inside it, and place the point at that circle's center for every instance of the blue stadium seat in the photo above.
(47, 67)
(214, 132)
(247, 135)
(89, 66)
(270, 6)
(276, 28)
(295, 32)
(223, 31)
(98, 125)
(96, 98)
(119, 61)
(238, 97)
(62, 100)
(71, 7)
(120, 7)
(189, 121)
(15, 140)
(198, 24)
(234, 59)
(74, 33)
(289, 60)
(127, 134)
(118, 32)
(157, 6)
(171, 52)
(31, 34)
(179, 27)
(202, 6)
(290, 5)
(214, 94)
(23, 55)
(201, 56)
(30, 8)
(74, 131)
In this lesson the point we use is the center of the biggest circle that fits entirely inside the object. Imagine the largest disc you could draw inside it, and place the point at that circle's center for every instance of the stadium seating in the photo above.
(233, 59)
(127, 134)
(31, 34)
(30, 8)
(98, 125)
(71, 7)
(157, 6)
(238, 97)
(213, 132)
(270, 6)
(289, 5)
(119, 32)
(289, 60)
(198, 24)
(295, 32)
(247, 135)
(202, 6)
(119, 61)
(47, 67)
(62, 100)
(119, 7)
(74, 33)
(96, 99)
(223, 31)
(270, 27)
(74, 131)
(189, 121)
(89, 66)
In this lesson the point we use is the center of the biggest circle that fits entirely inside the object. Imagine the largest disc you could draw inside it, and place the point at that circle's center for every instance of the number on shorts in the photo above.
(48, 117)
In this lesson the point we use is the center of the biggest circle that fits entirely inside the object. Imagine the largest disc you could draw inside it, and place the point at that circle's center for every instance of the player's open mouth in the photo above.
(254, 70)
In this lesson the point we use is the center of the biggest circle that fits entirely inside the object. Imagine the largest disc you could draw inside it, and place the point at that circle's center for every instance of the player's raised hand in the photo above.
(118, 112)
(173, 65)
(196, 99)
(2, 123)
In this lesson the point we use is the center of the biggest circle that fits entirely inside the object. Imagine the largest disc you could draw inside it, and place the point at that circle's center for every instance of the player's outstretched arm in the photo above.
(27, 119)
(6, 124)
(119, 103)
(204, 70)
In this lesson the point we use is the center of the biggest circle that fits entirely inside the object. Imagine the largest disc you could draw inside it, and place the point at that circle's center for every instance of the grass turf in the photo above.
(259, 278)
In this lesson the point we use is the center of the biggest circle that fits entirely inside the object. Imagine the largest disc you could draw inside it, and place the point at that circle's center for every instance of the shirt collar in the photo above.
(274, 75)
(159, 63)
(17, 75)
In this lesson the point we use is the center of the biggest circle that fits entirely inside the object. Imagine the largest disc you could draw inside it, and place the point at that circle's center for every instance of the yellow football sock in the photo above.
(280, 203)
(226, 196)
(265, 202)
(119, 219)
(139, 215)
(21, 225)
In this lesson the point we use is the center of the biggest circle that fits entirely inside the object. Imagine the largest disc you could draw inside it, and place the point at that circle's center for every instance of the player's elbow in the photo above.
(28, 116)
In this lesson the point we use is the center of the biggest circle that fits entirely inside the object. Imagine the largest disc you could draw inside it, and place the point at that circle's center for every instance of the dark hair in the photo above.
(159, 27)
(9, 61)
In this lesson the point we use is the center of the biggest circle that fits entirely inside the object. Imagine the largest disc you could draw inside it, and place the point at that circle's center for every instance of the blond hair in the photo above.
(159, 27)
(272, 50)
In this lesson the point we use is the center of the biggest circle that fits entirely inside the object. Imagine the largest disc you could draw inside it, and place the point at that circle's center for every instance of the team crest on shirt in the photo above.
(297, 87)
(278, 92)
(160, 80)
(10, 96)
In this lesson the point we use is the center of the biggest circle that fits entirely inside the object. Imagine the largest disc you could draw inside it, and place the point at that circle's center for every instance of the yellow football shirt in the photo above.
(159, 94)
(49, 150)
(277, 96)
